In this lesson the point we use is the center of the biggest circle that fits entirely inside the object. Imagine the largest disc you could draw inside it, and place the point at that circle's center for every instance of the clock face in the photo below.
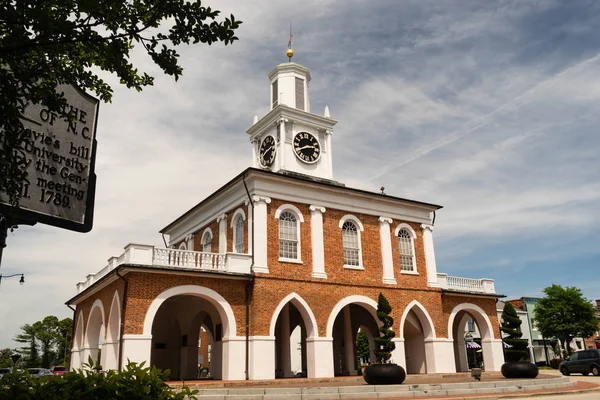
(307, 147)
(267, 151)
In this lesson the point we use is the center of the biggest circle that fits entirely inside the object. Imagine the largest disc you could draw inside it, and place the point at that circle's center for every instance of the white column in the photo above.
(493, 354)
(463, 356)
(439, 354)
(222, 220)
(328, 135)
(348, 345)
(234, 358)
(386, 250)
(280, 149)
(136, 348)
(319, 357)
(318, 244)
(75, 360)
(250, 218)
(399, 353)
(87, 352)
(190, 242)
(429, 255)
(109, 355)
(262, 357)
(255, 162)
(260, 234)
(286, 364)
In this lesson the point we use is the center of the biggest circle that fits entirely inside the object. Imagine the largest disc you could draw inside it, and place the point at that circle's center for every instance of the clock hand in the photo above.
(309, 146)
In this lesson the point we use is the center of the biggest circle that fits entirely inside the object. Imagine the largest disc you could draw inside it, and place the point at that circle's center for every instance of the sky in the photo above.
(490, 109)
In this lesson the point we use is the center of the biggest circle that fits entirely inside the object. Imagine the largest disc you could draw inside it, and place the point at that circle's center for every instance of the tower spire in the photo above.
(290, 52)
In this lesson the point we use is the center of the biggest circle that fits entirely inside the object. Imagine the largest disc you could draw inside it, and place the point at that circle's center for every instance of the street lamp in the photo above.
(21, 281)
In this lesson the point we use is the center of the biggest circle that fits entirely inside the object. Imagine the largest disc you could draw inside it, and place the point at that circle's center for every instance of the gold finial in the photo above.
(290, 52)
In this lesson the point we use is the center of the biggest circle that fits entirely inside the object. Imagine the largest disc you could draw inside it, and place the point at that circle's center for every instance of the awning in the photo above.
(473, 345)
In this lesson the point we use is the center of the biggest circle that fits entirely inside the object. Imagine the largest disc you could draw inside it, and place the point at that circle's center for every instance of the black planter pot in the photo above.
(384, 374)
(519, 370)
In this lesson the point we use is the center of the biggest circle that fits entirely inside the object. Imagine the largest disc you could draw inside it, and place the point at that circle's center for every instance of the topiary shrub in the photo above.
(511, 325)
(383, 344)
(135, 382)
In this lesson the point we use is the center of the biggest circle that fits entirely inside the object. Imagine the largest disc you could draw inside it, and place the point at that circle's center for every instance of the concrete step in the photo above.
(384, 391)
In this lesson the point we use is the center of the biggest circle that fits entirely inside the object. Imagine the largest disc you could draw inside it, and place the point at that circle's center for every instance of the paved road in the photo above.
(580, 396)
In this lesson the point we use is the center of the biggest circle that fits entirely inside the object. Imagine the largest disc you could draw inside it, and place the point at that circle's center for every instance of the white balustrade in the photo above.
(138, 254)
(466, 284)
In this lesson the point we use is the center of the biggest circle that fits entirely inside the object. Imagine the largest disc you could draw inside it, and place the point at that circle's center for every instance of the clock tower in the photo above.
(291, 139)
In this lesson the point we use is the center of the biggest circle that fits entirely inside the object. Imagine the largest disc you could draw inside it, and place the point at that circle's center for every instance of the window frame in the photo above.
(413, 236)
(203, 243)
(299, 220)
(359, 228)
(239, 213)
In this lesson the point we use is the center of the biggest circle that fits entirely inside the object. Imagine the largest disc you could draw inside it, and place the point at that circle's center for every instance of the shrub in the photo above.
(511, 325)
(384, 344)
(135, 382)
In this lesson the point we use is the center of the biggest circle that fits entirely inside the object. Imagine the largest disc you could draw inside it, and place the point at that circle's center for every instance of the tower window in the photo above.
(288, 236)
(300, 93)
(206, 242)
(407, 253)
(351, 244)
(239, 234)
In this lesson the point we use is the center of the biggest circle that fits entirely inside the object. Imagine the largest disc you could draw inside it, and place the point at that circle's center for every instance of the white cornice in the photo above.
(282, 111)
(290, 67)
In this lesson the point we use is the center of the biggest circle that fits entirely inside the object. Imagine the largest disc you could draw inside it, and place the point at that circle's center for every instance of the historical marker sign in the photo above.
(60, 156)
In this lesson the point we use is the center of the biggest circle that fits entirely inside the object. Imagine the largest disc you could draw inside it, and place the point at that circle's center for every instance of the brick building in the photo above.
(282, 247)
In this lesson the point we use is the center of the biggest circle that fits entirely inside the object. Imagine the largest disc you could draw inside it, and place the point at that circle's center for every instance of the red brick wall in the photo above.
(145, 287)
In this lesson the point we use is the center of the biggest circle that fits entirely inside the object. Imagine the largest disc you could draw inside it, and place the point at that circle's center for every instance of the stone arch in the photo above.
(424, 318)
(292, 208)
(92, 323)
(223, 308)
(237, 212)
(408, 228)
(368, 303)
(307, 315)
(483, 321)
(110, 350)
(77, 343)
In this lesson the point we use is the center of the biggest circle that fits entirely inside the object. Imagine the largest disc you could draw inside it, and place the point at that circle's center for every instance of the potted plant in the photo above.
(516, 352)
(383, 372)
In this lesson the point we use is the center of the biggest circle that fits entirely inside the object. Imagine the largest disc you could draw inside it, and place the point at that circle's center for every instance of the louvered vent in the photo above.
(300, 93)
(275, 92)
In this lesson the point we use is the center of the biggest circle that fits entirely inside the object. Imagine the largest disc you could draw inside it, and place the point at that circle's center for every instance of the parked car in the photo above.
(582, 362)
(39, 372)
(59, 370)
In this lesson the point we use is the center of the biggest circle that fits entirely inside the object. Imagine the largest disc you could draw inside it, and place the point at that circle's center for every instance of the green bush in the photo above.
(383, 344)
(135, 382)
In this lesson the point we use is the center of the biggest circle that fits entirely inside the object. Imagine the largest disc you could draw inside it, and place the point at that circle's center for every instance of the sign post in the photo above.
(59, 156)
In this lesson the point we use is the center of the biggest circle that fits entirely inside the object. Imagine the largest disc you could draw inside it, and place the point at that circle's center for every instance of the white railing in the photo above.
(469, 285)
(139, 254)
(188, 259)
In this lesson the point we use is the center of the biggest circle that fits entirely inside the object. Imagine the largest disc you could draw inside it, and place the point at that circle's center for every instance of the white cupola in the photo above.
(289, 86)
(290, 139)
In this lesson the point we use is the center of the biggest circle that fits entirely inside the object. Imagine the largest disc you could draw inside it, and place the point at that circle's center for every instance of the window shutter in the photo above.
(275, 93)
(299, 93)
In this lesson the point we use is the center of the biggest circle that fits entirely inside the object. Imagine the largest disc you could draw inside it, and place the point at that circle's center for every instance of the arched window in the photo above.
(351, 244)
(288, 236)
(407, 253)
(182, 246)
(206, 242)
(239, 234)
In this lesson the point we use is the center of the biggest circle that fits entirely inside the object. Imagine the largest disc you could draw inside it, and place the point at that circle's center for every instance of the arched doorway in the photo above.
(473, 339)
(176, 333)
(94, 333)
(110, 349)
(293, 322)
(416, 328)
(347, 317)
(77, 344)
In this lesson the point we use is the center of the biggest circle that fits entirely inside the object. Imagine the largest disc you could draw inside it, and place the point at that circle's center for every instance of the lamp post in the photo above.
(21, 281)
